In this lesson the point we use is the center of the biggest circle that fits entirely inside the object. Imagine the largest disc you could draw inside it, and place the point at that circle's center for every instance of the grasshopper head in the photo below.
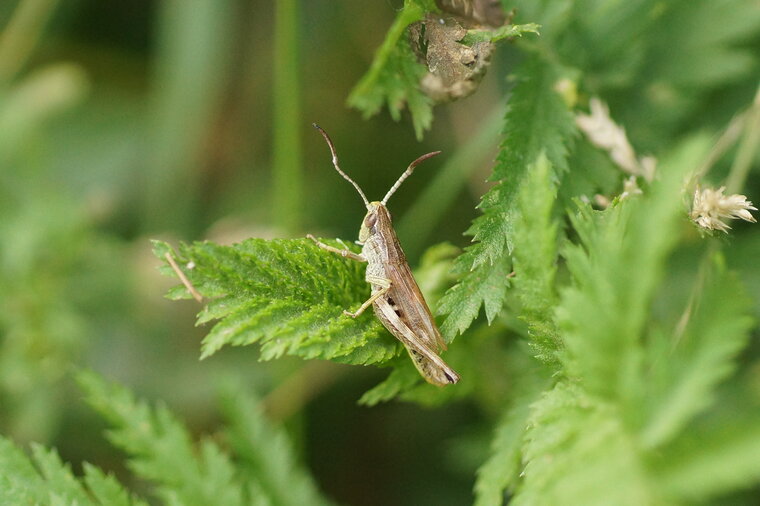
(376, 213)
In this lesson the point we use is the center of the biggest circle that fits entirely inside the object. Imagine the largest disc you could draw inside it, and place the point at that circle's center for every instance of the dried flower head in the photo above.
(630, 188)
(711, 207)
(604, 133)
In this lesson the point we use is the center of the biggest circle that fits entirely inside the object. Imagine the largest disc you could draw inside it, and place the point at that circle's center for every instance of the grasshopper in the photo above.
(396, 298)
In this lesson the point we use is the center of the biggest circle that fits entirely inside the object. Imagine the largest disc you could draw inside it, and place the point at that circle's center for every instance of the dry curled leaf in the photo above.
(454, 69)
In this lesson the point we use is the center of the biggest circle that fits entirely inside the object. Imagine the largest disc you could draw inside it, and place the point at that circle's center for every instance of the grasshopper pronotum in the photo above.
(396, 298)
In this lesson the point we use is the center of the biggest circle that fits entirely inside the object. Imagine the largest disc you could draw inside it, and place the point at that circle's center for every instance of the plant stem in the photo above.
(300, 387)
(411, 13)
(286, 158)
(193, 44)
(19, 37)
(726, 140)
(748, 147)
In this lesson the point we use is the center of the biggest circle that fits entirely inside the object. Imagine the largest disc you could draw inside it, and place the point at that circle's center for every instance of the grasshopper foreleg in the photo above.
(385, 285)
(345, 253)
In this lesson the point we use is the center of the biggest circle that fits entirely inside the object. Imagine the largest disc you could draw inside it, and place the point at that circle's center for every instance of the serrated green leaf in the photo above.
(577, 451)
(267, 457)
(19, 481)
(394, 76)
(616, 272)
(704, 57)
(160, 448)
(46, 479)
(502, 469)
(699, 358)
(106, 490)
(403, 377)
(58, 476)
(287, 295)
(537, 121)
(485, 286)
(535, 258)
(709, 461)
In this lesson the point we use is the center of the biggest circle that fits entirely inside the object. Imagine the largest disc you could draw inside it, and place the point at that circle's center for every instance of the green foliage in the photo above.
(624, 397)
(535, 258)
(55, 269)
(578, 452)
(711, 460)
(501, 471)
(717, 52)
(287, 295)
(161, 451)
(504, 32)
(537, 121)
(614, 364)
(715, 330)
(45, 479)
(486, 285)
(403, 377)
(629, 379)
(616, 269)
(395, 74)
(266, 457)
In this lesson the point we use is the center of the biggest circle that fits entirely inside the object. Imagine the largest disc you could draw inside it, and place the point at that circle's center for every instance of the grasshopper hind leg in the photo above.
(432, 372)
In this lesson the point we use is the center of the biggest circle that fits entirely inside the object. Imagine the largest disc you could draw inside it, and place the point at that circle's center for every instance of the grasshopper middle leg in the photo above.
(385, 285)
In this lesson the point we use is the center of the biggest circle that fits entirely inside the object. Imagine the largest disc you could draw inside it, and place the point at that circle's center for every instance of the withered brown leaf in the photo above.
(454, 69)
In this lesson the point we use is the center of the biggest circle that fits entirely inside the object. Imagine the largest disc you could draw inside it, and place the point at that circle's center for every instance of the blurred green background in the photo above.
(183, 120)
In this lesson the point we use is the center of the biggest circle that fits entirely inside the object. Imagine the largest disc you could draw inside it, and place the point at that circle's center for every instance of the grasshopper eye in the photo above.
(370, 220)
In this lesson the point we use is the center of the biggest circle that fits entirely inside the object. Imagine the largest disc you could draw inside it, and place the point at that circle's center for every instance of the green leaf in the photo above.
(700, 357)
(106, 489)
(45, 479)
(288, 295)
(266, 455)
(485, 286)
(699, 57)
(402, 378)
(503, 32)
(395, 74)
(616, 271)
(537, 121)
(710, 461)
(58, 476)
(578, 452)
(535, 258)
(20, 482)
(161, 450)
(502, 469)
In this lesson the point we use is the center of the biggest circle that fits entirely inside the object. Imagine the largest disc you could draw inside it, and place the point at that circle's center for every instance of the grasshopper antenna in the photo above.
(335, 163)
(406, 174)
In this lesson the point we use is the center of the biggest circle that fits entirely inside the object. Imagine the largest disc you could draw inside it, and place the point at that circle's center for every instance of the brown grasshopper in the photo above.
(396, 298)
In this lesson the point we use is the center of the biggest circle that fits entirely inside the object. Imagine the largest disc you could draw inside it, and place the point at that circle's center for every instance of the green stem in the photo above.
(726, 140)
(191, 72)
(748, 147)
(421, 218)
(286, 158)
(21, 34)
(411, 13)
